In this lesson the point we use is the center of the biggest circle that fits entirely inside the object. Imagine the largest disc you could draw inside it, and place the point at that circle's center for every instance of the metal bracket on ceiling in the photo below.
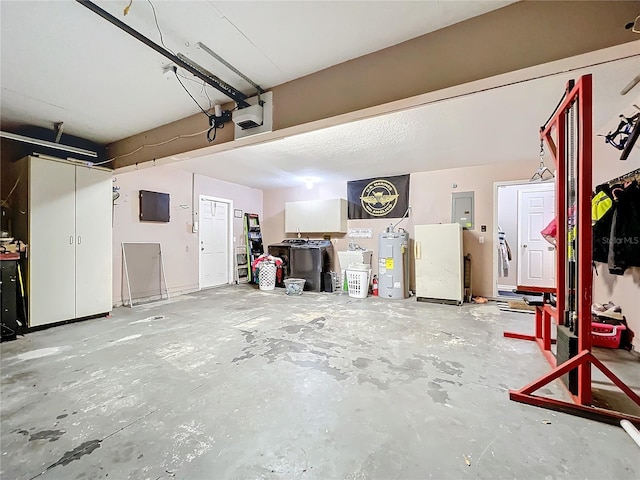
(59, 127)
(215, 82)
(230, 67)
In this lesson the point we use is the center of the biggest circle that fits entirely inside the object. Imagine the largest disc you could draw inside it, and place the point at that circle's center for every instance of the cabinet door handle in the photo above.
(70, 239)
(79, 239)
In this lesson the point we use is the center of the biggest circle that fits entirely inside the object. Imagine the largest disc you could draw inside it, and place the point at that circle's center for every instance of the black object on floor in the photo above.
(8, 299)
(567, 344)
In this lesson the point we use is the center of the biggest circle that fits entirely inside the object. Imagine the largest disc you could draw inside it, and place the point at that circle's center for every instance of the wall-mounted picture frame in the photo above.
(237, 213)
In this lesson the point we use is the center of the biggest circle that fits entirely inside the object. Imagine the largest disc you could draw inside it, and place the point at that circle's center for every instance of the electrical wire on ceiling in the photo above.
(634, 26)
(175, 72)
(214, 125)
(148, 145)
(158, 27)
(203, 89)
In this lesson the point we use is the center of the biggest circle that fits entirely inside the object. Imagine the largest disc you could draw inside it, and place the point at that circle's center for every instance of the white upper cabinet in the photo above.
(316, 216)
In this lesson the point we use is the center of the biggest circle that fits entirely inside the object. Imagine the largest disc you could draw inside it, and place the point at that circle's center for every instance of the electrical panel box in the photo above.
(462, 209)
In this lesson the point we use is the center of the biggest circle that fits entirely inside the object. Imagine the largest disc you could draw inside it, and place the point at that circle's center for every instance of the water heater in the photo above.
(393, 264)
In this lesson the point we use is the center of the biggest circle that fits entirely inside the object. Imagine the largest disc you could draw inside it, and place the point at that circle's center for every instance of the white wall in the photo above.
(179, 244)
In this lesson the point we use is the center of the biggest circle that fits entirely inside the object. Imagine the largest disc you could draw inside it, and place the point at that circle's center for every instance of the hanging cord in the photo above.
(544, 125)
(175, 72)
(406, 214)
(158, 26)
(4, 202)
(213, 124)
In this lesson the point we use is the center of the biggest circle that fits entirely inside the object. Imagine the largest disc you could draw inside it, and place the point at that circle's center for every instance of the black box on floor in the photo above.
(327, 281)
(567, 344)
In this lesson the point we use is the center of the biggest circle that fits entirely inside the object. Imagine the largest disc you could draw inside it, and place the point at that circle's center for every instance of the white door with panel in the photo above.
(536, 265)
(69, 236)
(214, 242)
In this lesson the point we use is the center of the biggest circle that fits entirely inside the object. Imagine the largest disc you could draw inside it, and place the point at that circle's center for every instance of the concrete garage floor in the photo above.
(242, 384)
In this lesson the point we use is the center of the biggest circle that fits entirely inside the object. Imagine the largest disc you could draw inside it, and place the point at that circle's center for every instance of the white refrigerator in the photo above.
(439, 263)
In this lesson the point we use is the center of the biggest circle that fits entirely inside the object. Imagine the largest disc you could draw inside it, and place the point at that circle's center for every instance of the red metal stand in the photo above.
(580, 94)
(544, 313)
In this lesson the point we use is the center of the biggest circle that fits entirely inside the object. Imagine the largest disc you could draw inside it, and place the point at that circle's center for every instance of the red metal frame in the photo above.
(543, 315)
(581, 93)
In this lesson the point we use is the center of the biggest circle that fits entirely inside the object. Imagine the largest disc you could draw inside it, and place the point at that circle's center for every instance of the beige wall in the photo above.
(179, 244)
(430, 198)
(623, 290)
(523, 34)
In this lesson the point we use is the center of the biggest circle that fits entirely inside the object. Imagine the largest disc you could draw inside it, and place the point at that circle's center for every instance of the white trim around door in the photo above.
(229, 207)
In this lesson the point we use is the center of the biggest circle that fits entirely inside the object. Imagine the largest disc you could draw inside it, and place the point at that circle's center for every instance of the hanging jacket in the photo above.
(602, 210)
(624, 242)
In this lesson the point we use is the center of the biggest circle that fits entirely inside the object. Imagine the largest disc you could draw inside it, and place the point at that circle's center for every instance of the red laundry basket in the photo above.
(605, 335)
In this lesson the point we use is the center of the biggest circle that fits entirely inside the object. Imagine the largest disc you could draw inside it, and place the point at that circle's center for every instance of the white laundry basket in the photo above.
(267, 276)
(358, 283)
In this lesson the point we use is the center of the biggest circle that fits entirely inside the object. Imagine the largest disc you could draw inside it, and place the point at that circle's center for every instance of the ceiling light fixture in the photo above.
(309, 184)
(44, 143)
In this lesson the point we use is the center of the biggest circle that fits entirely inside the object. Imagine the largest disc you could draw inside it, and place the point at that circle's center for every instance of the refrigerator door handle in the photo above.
(418, 250)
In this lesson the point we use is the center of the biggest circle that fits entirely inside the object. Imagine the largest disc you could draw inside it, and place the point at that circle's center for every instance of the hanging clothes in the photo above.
(504, 254)
(601, 218)
(616, 226)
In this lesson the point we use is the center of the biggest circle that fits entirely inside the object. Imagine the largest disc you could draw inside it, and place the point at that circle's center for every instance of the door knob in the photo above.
(524, 246)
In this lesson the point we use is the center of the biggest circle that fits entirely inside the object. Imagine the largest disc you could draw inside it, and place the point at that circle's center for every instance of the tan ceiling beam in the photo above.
(521, 35)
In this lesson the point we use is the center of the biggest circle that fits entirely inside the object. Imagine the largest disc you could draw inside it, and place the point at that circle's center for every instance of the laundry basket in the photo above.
(267, 276)
(294, 286)
(358, 283)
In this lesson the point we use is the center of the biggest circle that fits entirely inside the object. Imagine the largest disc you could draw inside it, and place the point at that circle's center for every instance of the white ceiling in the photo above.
(493, 126)
(61, 62)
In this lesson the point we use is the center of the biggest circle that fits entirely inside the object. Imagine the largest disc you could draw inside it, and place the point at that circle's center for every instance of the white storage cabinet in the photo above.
(316, 216)
(439, 263)
(68, 230)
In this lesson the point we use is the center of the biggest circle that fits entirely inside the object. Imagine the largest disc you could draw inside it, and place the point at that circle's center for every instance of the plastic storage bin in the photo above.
(358, 283)
(267, 276)
(294, 286)
(605, 335)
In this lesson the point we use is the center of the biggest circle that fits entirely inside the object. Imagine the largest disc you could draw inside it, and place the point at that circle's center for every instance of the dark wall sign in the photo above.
(382, 197)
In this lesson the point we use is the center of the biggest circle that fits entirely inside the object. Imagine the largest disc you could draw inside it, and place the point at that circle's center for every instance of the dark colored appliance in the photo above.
(8, 296)
(154, 206)
(282, 250)
(311, 261)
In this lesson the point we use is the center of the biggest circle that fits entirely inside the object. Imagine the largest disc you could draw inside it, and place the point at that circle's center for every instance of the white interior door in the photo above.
(52, 242)
(214, 242)
(536, 265)
(93, 241)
